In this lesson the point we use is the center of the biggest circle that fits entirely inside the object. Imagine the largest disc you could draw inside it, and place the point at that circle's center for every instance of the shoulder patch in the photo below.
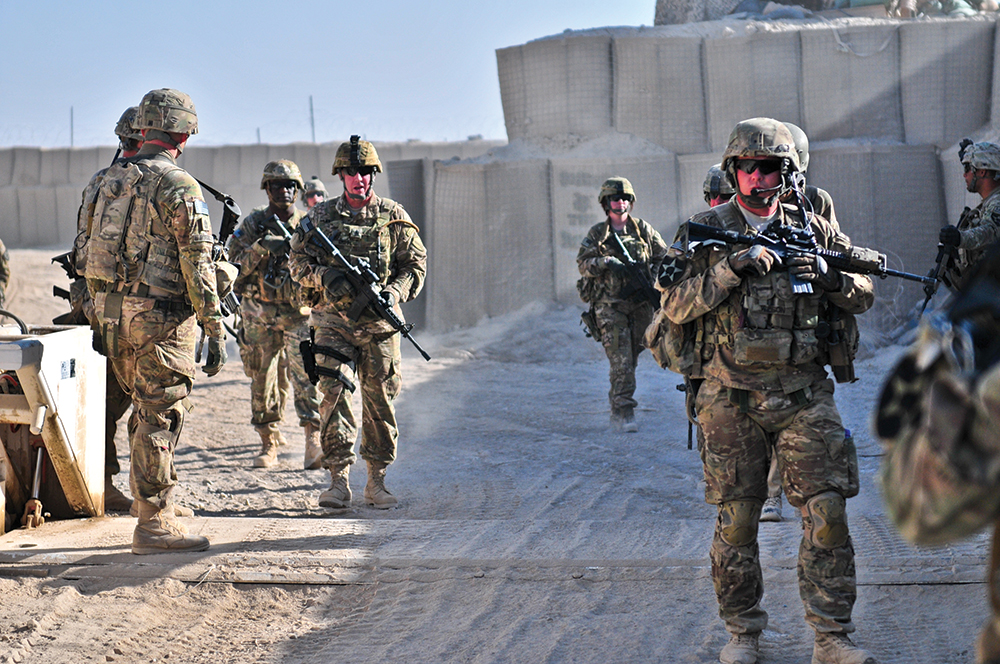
(671, 271)
(587, 242)
(200, 206)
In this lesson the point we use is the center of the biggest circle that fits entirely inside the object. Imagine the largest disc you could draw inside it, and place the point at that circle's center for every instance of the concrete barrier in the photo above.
(27, 167)
(691, 172)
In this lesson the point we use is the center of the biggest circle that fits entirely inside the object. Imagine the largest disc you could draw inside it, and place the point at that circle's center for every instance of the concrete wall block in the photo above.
(306, 157)
(589, 77)
(510, 69)
(27, 167)
(68, 198)
(253, 158)
(995, 97)
(55, 167)
(10, 218)
(854, 92)
(765, 84)
(200, 162)
(6, 166)
(518, 235)
(575, 184)
(944, 66)
(406, 186)
(657, 96)
(691, 172)
(39, 225)
(227, 165)
(83, 163)
(455, 291)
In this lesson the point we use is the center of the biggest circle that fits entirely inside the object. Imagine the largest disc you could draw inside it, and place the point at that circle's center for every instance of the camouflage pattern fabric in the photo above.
(274, 324)
(154, 355)
(269, 347)
(744, 407)
(980, 228)
(621, 322)
(379, 380)
(4, 272)
(400, 260)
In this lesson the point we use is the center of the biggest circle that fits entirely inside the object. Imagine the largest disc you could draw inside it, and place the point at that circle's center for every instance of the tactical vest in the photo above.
(130, 243)
(270, 281)
(609, 286)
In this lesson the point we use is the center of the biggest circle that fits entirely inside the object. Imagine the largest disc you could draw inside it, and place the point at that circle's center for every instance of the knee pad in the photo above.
(739, 520)
(825, 520)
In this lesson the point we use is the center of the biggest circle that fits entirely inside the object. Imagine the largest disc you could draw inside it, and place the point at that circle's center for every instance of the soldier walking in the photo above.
(379, 232)
(620, 310)
(751, 340)
(274, 320)
(152, 279)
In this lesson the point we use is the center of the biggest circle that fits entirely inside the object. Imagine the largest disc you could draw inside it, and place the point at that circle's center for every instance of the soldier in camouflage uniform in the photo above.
(117, 401)
(618, 309)
(763, 381)
(366, 227)
(314, 192)
(978, 228)
(938, 417)
(274, 322)
(4, 274)
(153, 280)
(716, 188)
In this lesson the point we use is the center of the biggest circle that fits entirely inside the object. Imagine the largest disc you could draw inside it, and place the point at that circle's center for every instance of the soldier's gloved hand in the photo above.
(756, 260)
(335, 282)
(614, 265)
(216, 355)
(950, 236)
(813, 268)
(389, 298)
(275, 245)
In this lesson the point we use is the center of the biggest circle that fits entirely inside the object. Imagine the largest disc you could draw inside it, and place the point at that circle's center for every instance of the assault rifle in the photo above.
(230, 212)
(945, 258)
(785, 241)
(976, 310)
(230, 304)
(365, 284)
(635, 272)
(271, 276)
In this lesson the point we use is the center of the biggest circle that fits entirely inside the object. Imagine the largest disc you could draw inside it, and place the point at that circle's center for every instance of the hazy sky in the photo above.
(388, 69)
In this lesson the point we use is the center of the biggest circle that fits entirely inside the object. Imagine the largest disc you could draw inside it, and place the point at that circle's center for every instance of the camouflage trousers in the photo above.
(622, 326)
(269, 348)
(813, 456)
(377, 375)
(155, 365)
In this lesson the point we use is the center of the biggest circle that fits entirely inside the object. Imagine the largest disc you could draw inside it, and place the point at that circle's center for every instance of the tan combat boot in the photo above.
(179, 510)
(115, 500)
(269, 445)
(338, 496)
(741, 649)
(159, 532)
(375, 492)
(314, 450)
(836, 648)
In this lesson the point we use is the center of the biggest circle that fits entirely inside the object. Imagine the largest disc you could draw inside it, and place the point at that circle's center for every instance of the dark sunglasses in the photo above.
(968, 167)
(315, 194)
(620, 197)
(358, 170)
(278, 185)
(766, 166)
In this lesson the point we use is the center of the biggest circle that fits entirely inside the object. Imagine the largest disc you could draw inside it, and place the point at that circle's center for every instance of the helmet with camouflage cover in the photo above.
(761, 138)
(314, 184)
(355, 153)
(281, 169)
(167, 110)
(716, 183)
(983, 155)
(615, 186)
(801, 145)
(125, 129)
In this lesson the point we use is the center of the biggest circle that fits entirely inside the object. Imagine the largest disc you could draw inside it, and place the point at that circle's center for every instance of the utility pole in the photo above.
(312, 118)
(258, 135)
(71, 126)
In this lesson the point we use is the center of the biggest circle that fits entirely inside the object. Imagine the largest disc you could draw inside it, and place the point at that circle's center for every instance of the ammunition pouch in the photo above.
(674, 347)
(767, 346)
(589, 322)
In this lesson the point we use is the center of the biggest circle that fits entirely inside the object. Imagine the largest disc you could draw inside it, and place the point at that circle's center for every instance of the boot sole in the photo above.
(334, 503)
(147, 550)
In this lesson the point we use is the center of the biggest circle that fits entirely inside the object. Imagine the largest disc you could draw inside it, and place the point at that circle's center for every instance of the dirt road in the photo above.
(526, 532)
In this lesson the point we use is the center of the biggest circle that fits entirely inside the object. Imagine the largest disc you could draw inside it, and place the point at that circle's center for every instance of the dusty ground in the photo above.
(527, 532)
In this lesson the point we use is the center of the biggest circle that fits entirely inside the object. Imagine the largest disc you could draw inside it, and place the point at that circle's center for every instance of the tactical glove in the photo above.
(274, 245)
(950, 236)
(813, 268)
(389, 298)
(755, 260)
(216, 355)
(614, 265)
(335, 282)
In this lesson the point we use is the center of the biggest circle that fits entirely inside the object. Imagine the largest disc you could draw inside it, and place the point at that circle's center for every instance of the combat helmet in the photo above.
(314, 184)
(282, 169)
(801, 145)
(125, 129)
(355, 153)
(716, 183)
(762, 138)
(615, 186)
(983, 155)
(167, 110)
